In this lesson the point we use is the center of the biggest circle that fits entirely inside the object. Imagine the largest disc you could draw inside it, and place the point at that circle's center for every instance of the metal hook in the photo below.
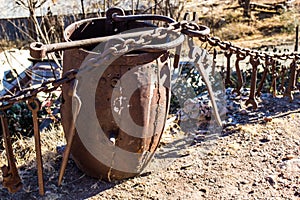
(195, 54)
(35, 105)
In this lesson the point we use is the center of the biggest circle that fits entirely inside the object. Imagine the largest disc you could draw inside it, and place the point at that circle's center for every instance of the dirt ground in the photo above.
(249, 159)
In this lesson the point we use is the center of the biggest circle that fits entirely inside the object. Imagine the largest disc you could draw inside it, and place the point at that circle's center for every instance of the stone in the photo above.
(289, 157)
(290, 168)
(244, 112)
(268, 119)
(204, 190)
(234, 146)
(271, 180)
(266, 138)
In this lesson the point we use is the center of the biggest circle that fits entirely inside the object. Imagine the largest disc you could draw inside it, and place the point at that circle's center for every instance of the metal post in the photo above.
(297, 38)
(166, 8)
(82, 7)
(247, 8)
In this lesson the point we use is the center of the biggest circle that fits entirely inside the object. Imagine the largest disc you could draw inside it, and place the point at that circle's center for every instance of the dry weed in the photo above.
(24, 149)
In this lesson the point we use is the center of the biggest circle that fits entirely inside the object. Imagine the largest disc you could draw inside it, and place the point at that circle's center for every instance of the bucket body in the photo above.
(129, 138)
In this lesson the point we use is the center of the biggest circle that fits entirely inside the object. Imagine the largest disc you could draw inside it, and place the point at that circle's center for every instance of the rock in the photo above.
(186, 166)
(289, 157)
(204, 190)
(233, 106)
(234, 146)
(244, 182)
(244, 112)
(265, 96)
(251, 192)
(268, 119)
(266, 138)
(297, 193)
(212, 180)
(271, 180)
(190, 105)
(290, 168)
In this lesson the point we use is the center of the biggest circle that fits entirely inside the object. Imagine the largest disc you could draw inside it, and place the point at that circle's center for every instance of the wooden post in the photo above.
(247, 9)
(82, 8)
(137, 5)
(132, 7)
(166, 8)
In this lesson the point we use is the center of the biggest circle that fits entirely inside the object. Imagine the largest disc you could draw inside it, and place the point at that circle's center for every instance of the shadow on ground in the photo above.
(75, 185)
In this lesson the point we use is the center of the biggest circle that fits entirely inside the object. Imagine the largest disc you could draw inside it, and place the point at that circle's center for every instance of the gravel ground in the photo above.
(256, 156)
(250, 159)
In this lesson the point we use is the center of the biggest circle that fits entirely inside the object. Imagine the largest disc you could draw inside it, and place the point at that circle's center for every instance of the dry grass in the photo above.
(230, 25)
(236, 31)
(24, 150)
(4, 44)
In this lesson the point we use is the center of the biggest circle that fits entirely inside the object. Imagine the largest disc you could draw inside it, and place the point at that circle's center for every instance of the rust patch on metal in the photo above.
(148, 106)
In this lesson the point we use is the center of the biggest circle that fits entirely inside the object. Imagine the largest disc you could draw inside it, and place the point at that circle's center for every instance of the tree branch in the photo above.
(21, 3)
(40, 3)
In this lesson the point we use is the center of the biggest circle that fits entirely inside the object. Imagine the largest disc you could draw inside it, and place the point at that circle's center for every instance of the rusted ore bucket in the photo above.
(95, 153)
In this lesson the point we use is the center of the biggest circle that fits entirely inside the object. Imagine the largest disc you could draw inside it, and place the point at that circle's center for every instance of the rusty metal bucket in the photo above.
(125, 151)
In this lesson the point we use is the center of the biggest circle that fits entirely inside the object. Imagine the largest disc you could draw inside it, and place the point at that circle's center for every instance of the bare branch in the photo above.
(20, 29)
(21, 3)
(41, 3)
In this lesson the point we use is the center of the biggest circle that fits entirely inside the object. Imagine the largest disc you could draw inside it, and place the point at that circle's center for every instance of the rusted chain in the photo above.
(227, 46)
(191, 29)
(29, 93)
(158, 33)
(11, 178)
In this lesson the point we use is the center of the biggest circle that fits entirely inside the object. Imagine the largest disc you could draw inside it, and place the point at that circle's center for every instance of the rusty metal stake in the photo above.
(214, 63)
(274, 77)
(11, 178)
(239, 57)
(297, 78)
(228, 55)
(282, 73)
(251, 100)
(292, 81)
(35, 105)
(76, 108)
(177, 56)
(268, 61)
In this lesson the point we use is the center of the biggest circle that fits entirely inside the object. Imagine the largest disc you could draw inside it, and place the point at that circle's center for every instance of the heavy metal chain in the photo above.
(189, 28)
(227, 46)
(29, 93)
(121, 47)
